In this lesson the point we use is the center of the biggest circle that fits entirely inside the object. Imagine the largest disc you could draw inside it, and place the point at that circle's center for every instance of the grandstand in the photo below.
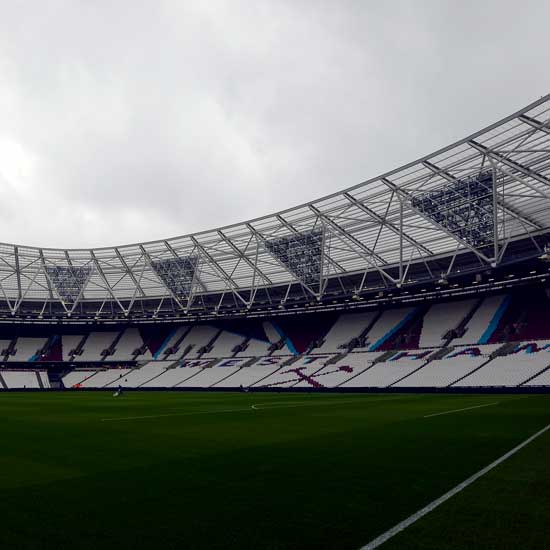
(467, 343)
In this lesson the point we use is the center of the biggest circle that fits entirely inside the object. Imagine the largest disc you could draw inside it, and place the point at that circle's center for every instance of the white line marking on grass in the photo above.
(291, 404)
(434, 504)
(170, 414)
(464, 409)
(257, 407)
(359, 400)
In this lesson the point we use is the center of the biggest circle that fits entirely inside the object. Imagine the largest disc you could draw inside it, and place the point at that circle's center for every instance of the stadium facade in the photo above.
(431, 275)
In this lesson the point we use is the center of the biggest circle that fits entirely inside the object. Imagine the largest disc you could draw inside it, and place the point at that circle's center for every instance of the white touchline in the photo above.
(464, 409)
(434, 504)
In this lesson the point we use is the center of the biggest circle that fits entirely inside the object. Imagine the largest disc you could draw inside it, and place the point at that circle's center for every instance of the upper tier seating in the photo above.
(483, 322)
(69, 342)
(167, 347)
(198, 337)
(386, 325)
(224, 345)
(274, 337)
(255, 348)
(283, 352)
(27, 349)
(96, 343)
(4, 346)
(346, 328)
(440, 319)
(129, 342)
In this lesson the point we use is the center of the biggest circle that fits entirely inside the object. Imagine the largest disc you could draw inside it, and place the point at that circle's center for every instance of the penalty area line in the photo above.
(460, 410)
(461, 486)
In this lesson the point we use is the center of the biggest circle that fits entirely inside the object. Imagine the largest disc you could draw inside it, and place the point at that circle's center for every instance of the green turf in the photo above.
(304, 471)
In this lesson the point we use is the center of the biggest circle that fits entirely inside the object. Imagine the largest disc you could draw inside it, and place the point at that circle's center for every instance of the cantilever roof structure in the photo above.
(473, 199)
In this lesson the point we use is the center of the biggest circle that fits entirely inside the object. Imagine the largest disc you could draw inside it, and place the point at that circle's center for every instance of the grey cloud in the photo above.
(131, 121)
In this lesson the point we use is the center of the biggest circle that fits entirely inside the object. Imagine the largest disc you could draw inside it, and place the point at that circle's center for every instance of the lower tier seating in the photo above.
(75, 378)
(523, 362)
(540, 380)
(211, 375)
(103, 378)
(253, 374)
(139, 376)
(455, 365)
(490, 365)
(386, 373)
(21, 379)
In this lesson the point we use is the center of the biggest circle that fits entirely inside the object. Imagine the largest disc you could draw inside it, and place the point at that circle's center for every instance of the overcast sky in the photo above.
(135, 120)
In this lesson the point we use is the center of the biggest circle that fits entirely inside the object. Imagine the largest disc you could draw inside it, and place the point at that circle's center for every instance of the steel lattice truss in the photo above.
(302, 255)
(477, 198)
(68, 281)
(464, 207)
(178, 274)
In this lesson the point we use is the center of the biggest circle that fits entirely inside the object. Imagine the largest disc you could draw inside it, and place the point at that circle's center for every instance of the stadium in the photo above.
(431, 276)
(315, 378)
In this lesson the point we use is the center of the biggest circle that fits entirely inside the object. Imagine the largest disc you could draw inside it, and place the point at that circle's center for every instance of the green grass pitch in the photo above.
(269, 471)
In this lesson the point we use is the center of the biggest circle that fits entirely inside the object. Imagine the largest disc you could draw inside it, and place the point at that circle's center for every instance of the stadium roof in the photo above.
(474, 199)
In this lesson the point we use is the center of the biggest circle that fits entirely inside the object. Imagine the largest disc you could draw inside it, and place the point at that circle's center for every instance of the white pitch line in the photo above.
(464, 409)
(292, 404)
(257, 407)
(170, 414)
(360, 400)
(461, 486)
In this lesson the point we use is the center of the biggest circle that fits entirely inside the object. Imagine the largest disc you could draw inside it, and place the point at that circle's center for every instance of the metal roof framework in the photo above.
(387, 232)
